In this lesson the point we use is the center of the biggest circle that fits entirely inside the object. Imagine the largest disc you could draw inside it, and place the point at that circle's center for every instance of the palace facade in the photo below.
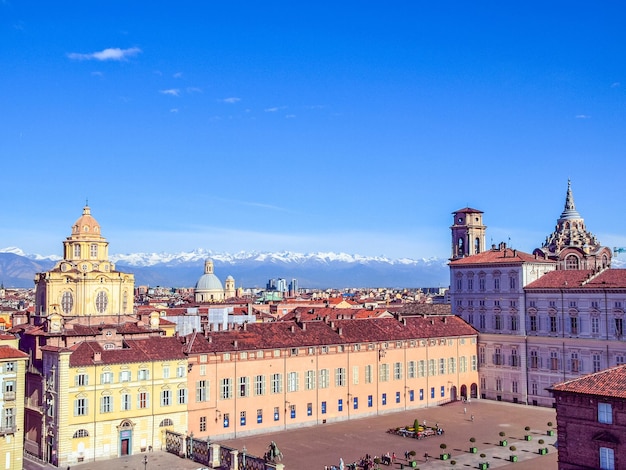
(544, 317)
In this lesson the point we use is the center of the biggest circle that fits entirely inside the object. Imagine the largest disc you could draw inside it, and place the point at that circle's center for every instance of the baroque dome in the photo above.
(208, 282)
(86, 225)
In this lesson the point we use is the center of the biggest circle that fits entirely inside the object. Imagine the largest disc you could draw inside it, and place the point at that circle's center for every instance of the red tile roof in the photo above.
(7, 352)
(157, 348)
(581, 279)
(607, 383)
(503, 256)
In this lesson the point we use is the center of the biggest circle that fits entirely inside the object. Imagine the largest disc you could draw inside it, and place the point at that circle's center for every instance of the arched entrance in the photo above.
(464, 391)
(125, 433)
(453, 393)
(474, 391)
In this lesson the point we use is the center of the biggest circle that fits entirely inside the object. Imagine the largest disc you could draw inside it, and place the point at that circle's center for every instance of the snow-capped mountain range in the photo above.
(250, 269)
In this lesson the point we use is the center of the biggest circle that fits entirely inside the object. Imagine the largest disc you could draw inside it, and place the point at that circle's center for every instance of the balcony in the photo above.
(9, 396)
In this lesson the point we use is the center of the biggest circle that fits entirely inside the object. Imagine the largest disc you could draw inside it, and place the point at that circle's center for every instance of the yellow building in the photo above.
(267, 377)
(84, 282)
(107, 403)
(13, 364)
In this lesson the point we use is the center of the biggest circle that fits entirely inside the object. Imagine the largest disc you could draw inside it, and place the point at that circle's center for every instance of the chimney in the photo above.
(292, 328)
(339, 331)
(235, 344)
(245, 326)
(303, 326)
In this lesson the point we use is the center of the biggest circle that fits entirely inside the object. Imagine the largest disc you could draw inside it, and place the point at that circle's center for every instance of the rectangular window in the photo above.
(605, 413)
(432, 367)
(595, 325)
(202, 423)
(514, 360)
(443, 391)
(165, 371)
(442, 366)
(202, 391)
(180, 371)
(355, 375)
(411, 369)
(397, 371)
(607, 458)
(534, 360)
(166, 397)
(182, 396)
(383, 373)
(452, 365)
(573, 325)
(226, 388)
(340, 377)
(125, 376)
(498, 322)
(533, 323)
(125, 401)
(242, 418)
(421, 394)
(276, 383)
(432, 392)
(202, 370)
(143, 400)
(309, 409)
(226, 422)
(244, 387)
(276, 413)
(481, 283)
(384, 399)
(514, 323)
(554, 360)
(144, 374)
(309, 380)
(106, 403)
(81, 380)
(553, 325)
(370, 401)
(106, 378)
(514, 386)
(596, 362)
(421, 368)
(575, 363)
(474, 363)
(323, 407)
(340, 404)
(482, 321)
(397, 397)
(292, 382)
(259, 416)
(324, 378)
(498, 385)
(496, 283)
(368, 374)
(259, 385)
(619, 327)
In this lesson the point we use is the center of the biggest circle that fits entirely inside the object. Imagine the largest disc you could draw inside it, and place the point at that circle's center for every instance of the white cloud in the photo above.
(178, 75)
(231, 100)
(290, 116)
(174, 110)
(171, 91)
(193, 89)
(615, 85)
(274, 109)
(582, 116)
(106, 54)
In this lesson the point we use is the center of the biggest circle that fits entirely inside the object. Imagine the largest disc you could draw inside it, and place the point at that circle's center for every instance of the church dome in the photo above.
(86, 225)
(209, 282)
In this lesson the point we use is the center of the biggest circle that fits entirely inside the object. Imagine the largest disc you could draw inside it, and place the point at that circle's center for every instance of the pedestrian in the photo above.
(406, 455)
(393, 457)
(472, 418)
(426, 456)
(464, 410)
(424, 423)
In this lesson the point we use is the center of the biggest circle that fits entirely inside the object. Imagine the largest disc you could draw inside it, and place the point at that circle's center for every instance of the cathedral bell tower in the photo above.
(468, 233)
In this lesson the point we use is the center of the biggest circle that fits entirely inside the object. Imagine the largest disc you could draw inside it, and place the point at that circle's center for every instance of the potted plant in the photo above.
(503, 442)
(452, 462)
(444, 455)
(413, 462)
(550, 431)
(513, 457)
(527, 436)
(542, 450)
(473, 449)
(377, 462)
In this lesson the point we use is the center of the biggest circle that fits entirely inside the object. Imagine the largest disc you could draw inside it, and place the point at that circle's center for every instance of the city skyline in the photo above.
(354, 128)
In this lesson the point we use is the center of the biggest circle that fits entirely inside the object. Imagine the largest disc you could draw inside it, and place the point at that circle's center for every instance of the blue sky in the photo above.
(354, 127)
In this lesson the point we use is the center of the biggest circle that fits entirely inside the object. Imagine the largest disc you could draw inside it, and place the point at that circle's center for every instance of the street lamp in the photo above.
(145, 462)
(243, 451)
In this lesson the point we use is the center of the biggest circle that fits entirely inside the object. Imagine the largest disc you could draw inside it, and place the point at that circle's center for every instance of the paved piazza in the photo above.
(313, 448)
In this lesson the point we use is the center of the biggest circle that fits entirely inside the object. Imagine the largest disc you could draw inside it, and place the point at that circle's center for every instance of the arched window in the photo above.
(460, 247)
(477, 246)
(166, 422)
(81, 433)
(571, 262)
(605, 261)
(102, 301)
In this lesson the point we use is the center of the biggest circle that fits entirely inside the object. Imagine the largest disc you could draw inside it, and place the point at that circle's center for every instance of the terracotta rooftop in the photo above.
(7, 352)
(607, 383)
(500, 255)
(581, 279)
(138, 350)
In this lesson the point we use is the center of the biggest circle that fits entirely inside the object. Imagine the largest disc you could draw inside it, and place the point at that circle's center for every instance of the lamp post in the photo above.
(244, 451)
(145, 462)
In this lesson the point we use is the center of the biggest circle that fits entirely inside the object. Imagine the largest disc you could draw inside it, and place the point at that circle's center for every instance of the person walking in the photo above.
(472, 418)
(465, 410)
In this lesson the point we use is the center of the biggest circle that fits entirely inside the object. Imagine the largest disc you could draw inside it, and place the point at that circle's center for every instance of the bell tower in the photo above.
(468, 233)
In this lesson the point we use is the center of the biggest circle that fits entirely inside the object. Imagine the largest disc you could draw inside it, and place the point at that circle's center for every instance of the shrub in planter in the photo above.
(482, 456)
(513, 458)
(527, 437)
(503, 442)
(473, 449)
(444, 455)
(550, 431)
(540, 441)
(452, 462)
